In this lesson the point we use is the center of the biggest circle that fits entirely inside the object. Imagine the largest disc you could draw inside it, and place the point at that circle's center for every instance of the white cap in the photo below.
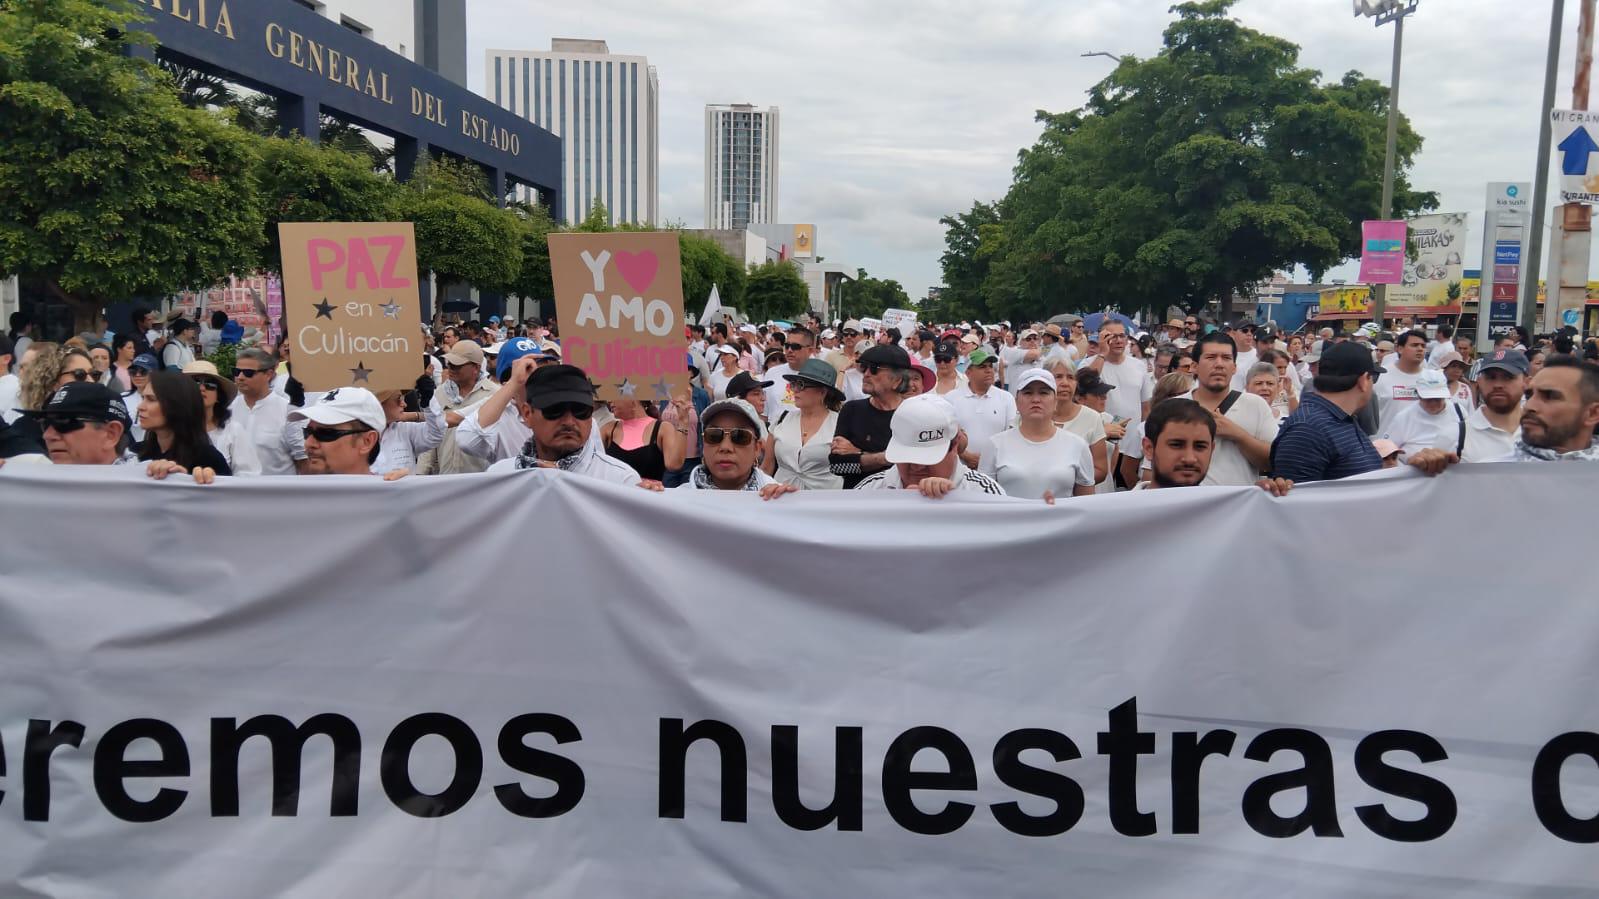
(1034, 376)
(494, 348)
(1432, 385)
(343, 405)
(725, 350)
(828, 334)
(921, 431)
(749, 328)
(1028, 332)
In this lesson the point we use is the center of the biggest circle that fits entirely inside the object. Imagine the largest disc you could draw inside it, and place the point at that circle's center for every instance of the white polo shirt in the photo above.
(267, 442)
(1486, 443)
(982, 416)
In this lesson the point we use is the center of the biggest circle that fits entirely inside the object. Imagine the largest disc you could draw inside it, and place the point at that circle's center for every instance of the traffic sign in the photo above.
(1574, 132)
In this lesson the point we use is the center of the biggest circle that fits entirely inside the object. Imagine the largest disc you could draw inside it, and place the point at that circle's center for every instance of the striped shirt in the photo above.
(964, 479)
(1321, 442)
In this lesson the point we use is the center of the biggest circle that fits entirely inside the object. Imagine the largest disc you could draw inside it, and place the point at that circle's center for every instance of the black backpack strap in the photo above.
(1460, 445)
(1232, 397)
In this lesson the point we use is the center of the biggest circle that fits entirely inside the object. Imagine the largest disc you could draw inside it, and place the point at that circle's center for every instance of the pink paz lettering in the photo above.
(354, 256)
(621, 359)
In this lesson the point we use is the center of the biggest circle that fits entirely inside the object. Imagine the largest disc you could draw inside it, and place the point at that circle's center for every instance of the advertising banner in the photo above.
(619, 299)
(1382, 257)
(352, 311)
(1431, 283)
(538, 684)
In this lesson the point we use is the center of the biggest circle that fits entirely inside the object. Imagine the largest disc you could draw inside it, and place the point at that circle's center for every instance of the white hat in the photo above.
(1432, 385)
(494, 348)
(828, 334)
(1034, 376)
(344, 405)
(1028, 332)
(921, 430)
(725, 350)
(749, 328)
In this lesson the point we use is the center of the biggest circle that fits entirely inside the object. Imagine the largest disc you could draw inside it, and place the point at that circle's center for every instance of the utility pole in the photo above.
(1540, 184)
(1574, 234)
(1379, 299)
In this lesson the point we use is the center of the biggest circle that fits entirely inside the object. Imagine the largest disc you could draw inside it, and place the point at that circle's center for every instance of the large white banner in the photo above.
(538, 685)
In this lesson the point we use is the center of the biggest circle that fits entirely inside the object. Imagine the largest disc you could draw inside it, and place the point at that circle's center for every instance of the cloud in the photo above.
(896, 113)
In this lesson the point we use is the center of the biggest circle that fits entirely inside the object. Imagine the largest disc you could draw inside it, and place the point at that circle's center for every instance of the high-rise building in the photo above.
(740, 165)
(431, 33)
(604, 107)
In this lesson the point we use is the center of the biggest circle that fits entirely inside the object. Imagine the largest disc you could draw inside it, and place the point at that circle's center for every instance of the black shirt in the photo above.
(210, 457)
(866, 426)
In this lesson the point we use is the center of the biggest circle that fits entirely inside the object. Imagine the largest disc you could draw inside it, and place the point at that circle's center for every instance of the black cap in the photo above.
(85, 400)
(947, 348)
(743, 383)
(556, 384)
(926, 335)
(1089, 383)
(1348, 360)
(891, 355)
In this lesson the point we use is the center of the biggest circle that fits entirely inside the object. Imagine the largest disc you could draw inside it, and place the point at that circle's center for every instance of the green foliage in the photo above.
(705, 263)
(449, 175)
(597, 221)
(533, 281)
(460, 237)
(1187, 177)
(775, 290)
(223, 357)
(868, 296)
(113, 188)
(305, 182)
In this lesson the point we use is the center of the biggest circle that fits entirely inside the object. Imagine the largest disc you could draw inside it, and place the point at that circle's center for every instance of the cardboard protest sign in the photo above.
(619, 298)
(350, 304)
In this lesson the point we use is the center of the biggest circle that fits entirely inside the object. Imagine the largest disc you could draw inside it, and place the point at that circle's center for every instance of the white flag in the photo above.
(713, 306)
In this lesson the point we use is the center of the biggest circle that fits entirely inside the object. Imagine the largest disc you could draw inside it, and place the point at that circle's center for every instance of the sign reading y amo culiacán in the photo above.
(350, 304)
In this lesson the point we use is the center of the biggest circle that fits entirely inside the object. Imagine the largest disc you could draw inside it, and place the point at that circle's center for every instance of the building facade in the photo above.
(741, 143)
(605, 107)
(431, 33)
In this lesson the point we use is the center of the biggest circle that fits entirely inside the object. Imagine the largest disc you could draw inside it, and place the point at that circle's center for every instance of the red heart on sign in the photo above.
(638, 269)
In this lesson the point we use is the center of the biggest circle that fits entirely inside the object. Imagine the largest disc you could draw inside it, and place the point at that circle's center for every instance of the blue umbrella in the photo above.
(1096, 320)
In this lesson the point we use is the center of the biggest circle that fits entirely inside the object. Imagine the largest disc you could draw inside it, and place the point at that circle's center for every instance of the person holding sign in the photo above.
(733, 434)
(557, 407)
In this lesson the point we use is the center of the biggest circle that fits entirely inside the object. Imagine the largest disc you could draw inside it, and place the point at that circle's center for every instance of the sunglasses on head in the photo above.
(328, 434)
(559, 411)
(739, 436)
(246, 372)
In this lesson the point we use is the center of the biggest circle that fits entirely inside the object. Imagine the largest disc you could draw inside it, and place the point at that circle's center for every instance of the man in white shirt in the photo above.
(1432, 422)
(981, 409)
(921, 453)
(1131, 378)
(10, 384)
(798, 346)
(1396, 387)
(1494, 427)
(1243, 334)
(557, 408)
(1245, 424)
(267, 443)
(1445, 343)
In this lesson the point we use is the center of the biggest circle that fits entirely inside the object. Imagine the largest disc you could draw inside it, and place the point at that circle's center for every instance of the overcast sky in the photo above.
(896, 113)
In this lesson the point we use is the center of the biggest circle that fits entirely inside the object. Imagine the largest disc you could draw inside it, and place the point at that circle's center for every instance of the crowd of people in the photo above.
(1040, 411)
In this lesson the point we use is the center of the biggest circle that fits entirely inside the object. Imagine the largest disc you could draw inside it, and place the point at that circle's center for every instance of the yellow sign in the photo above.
(804, 241)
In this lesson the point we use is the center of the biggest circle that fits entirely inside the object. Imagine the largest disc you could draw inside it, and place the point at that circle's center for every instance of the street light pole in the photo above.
(1384, 11)
(1540, 187)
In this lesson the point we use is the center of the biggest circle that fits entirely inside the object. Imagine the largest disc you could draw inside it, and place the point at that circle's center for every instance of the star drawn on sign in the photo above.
(390, 309)
(324, 309)
(627, 388)
(663, 391)
(359, 373)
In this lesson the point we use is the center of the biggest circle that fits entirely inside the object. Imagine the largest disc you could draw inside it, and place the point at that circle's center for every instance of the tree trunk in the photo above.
(84, 310)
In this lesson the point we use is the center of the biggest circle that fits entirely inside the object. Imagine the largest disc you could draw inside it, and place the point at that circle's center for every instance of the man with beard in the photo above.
(558, 408)
(1179, 439)
(1493, 428)
(1561, 413)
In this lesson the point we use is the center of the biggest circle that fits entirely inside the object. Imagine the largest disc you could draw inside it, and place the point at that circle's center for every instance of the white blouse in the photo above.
(805, 464)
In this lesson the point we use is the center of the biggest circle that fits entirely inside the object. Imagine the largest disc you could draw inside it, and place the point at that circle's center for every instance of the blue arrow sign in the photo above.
(1576, 147)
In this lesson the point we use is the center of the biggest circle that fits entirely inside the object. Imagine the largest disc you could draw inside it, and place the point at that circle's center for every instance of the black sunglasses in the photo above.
(247, 372)
(942, 358)
(579, 411)
(207, 384)
(739, 436)
(796, 347)
(62, 425)
(324, 434)
(78, 374)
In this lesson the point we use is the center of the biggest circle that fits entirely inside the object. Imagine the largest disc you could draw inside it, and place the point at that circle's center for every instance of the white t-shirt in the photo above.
(1486, 443)
(1245, 360)
(1414, 429)
(1133, 384)
(1228, 467)
(267, 442)
(1396, 391)
(981, 417)
(1088, 425)
(10, 390)
(779, 396)
(719, 382)
(1029, 469)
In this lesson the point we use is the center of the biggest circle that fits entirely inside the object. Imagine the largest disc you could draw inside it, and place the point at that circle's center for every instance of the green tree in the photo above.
(460, 236)
(533, 281)
(868, 296)
(705, 263)
(113, 188)
(966, 260)
(773, 291)
(305, 182)
(598, 221)
(1191, 175)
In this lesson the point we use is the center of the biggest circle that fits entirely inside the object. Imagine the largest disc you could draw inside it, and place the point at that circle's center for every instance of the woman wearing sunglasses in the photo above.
(173, 417)
(801, 438)
(217, 393)
(733, 433)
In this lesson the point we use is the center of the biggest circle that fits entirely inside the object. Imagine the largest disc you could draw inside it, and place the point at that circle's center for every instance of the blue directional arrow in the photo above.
(1576, 147)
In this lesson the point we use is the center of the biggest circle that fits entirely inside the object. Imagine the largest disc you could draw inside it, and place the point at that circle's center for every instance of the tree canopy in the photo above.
(868, 296)
(774, 291)
(1187, 177)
